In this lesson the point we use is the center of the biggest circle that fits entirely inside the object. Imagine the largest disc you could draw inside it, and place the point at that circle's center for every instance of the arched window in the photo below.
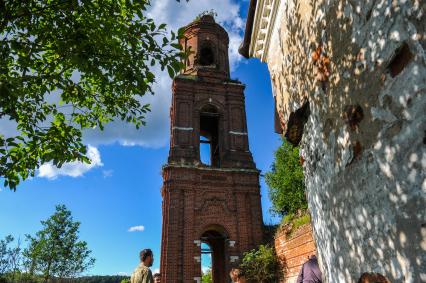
(206, 55)
(206, 260)
(213, 254)
(209, 136)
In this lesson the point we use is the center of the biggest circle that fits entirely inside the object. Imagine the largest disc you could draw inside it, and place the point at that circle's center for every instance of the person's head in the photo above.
(147, 257)
(237, 275)
(373, 278)
(157, 278)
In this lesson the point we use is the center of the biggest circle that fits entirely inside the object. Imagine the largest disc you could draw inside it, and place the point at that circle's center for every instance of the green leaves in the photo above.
(286, 181)
(207, 277)
(5, 253)
(261, 265)
(70, 65)
(56, 250)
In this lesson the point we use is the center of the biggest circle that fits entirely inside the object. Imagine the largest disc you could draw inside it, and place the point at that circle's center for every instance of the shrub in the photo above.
(261, 265)
(286, 181)
(207, 277)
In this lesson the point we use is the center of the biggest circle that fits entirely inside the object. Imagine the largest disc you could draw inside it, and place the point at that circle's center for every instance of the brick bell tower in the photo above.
(216, 202)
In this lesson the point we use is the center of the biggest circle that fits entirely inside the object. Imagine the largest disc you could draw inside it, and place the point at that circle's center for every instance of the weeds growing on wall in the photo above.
(292, 222)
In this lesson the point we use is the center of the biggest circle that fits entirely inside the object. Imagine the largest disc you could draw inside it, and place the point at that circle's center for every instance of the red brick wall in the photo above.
(293, 251)
(218, 204)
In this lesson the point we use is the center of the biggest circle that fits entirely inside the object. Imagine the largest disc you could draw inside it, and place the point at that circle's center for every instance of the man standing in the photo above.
(310, 272)
(142, 273)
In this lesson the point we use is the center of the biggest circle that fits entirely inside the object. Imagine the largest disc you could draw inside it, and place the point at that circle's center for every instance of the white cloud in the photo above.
(139, 228)
(156, 133)
(72, 169)
(122, 273)
(107, 173)
(157, 270)
(205, 269)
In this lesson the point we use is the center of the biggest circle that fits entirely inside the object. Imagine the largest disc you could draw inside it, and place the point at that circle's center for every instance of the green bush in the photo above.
(261, 265)
(20, 277)
(286, 181)
(207, 277)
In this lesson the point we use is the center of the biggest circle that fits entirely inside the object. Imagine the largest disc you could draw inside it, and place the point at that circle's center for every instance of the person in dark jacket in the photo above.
(310, 272)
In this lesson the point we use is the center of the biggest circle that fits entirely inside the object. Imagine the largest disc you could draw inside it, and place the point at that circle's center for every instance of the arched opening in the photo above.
(206, 55)
(215, 247)
(209, 136)
(206, 262)
(205, 151)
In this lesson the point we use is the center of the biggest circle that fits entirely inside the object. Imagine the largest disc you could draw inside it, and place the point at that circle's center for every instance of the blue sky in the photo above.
(122, 189)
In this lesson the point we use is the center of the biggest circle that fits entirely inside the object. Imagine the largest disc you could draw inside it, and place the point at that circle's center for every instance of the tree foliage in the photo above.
(70, 65)
(286, 181)
(98, 279)
(261, 265)
(10, 256)
(207, 277)
(56, 251)
(5, 254)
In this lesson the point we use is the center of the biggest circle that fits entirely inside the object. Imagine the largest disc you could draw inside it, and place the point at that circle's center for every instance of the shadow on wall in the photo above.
(365, 137)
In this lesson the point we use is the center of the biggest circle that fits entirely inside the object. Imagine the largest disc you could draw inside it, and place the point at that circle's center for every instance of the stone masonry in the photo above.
(349, 80)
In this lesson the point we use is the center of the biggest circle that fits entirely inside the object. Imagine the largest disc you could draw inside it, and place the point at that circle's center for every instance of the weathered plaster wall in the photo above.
(365, 173)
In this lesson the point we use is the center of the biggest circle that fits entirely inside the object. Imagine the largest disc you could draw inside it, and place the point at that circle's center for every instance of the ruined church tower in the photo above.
(215, 201)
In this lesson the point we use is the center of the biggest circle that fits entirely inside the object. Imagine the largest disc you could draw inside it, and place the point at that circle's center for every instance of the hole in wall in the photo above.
(400, 60)
(356, 150)
(209, 136)
(277, 121)
(368, 17)
(296, 124)
(206, 56)
(353, 115)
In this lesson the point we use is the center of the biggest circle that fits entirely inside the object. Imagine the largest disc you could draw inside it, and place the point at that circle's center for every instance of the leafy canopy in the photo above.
(56, 251)
(5, 251)
(70, 65)
(207, 277)
(261, 265)
(286, 181)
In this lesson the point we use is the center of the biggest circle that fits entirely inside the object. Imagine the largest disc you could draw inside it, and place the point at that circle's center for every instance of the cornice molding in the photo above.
(263, 26)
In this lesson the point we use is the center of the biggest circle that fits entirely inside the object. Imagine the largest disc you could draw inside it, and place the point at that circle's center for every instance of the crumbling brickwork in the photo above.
(361, 66)
(293, 251)
(217, 203)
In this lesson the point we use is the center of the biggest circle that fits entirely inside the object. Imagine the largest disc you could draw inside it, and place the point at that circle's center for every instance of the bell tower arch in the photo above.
(215, 202)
